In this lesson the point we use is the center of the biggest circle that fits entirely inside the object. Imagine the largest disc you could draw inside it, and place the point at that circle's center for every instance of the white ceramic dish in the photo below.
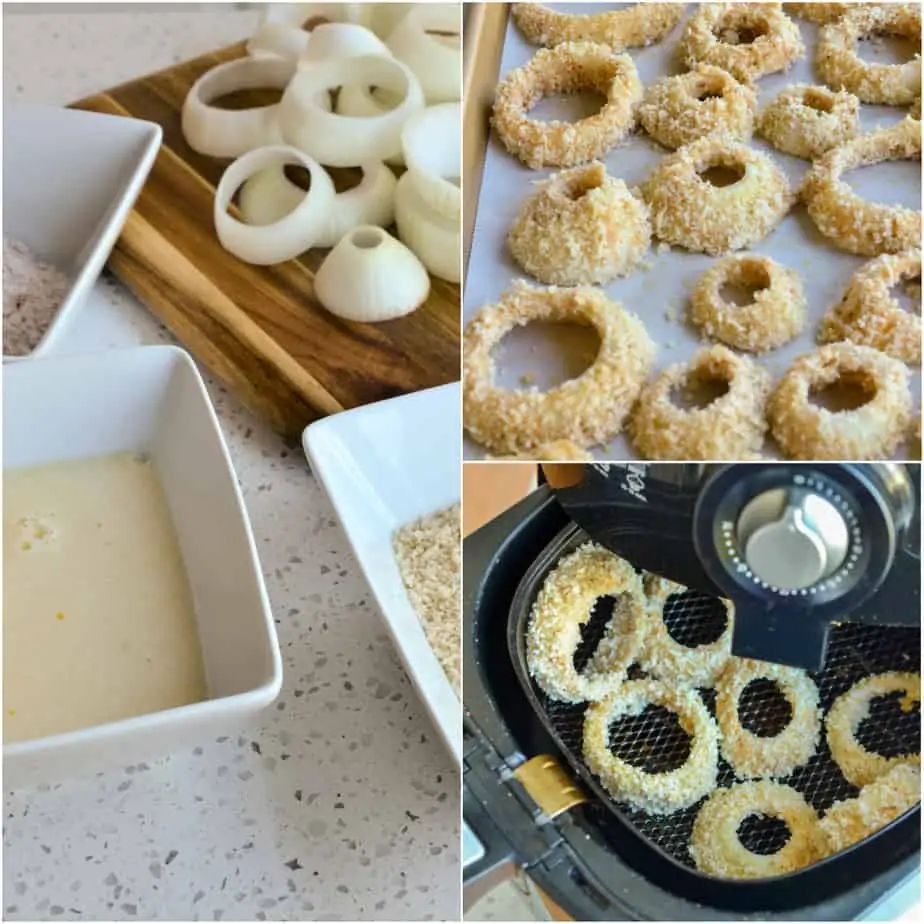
(70, 179)
(385, 465)
(152, 400)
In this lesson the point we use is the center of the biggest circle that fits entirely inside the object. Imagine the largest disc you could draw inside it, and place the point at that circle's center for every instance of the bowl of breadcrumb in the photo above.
(70, 179)
(391, 471)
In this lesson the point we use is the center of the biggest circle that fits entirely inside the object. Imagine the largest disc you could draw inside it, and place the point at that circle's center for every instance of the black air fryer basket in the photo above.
(602, 859)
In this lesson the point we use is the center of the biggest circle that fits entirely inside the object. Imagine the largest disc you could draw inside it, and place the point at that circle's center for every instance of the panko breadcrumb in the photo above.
(587, 410)
(640, 25)
(687, 210)
(749, 40)
(428, 554)
(851, 820)
(567, 68)
(806, 121)
(677, 110)
(581, 227)
(870, 316)
(854, 224)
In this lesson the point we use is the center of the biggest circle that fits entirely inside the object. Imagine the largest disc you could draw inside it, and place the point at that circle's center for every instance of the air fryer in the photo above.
(528, 797)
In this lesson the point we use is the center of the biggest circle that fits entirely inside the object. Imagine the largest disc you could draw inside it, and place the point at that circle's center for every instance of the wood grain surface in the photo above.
(259, 329)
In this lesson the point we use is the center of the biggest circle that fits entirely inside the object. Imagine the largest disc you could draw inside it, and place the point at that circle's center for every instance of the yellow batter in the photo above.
(98, 620)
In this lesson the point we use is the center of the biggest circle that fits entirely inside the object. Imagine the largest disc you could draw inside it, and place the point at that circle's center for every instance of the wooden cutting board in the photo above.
(259, 329)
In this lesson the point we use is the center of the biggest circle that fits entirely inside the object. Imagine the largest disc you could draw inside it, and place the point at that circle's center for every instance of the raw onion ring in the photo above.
(870, 316)
(717, 849)
(688, 211)
(774, 49)
(845, 716)
(270, 195)
(587, 410)
(346, 141)
(282, 30)
(230, 133)
(872, 431)
(432, 146)
(852, 820)
(419, 40)
(434, 239)
(340, 40)
(287, 238)
(705, 100)
(854, 224)
(807, 121)
(565, 602)
(774, 317)
(640, 25)
(841, 67)
(730, 427)
(668, 660)
(750, 755)
(580, 227)
(656, 793)
(567, 68)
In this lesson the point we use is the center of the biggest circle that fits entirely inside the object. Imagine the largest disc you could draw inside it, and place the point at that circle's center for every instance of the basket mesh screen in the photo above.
(655, 741)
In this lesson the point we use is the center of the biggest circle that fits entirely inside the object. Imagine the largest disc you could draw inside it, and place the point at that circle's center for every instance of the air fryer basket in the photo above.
(655, 741)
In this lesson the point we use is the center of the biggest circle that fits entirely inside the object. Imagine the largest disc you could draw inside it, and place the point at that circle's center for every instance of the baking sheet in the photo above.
(544, 355)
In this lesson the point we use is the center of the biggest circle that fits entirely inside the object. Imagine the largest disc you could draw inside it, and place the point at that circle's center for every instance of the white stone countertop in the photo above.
(343, 802)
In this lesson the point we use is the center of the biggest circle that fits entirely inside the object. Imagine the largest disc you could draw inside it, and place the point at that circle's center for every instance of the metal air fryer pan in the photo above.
(599, 860)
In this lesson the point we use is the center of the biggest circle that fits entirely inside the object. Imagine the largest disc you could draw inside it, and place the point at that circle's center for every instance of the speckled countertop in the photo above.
(343, 803)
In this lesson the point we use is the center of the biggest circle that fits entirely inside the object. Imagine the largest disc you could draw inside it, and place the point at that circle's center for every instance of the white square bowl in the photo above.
(385, 465)
(70, 178)
(152, 400)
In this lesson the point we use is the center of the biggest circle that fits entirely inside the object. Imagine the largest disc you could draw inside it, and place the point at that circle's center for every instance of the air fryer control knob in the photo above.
(792, 538)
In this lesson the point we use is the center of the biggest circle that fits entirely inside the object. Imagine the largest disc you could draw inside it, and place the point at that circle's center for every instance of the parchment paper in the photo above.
(543, 357)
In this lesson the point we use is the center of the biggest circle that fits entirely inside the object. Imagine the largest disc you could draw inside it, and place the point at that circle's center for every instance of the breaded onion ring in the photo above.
(839, 65)
(854, 224)
(581, 227)
(776, 315)
(752, 756)
(851, 820)
(713, 36)
(657, 793)
(844, 718)
(730, 427)
(587, 410)
(688, 211)
(872, 431)
(565, 602)
(567, 68)
(678, 110)
(807, 121)
(822, 13)
(668, 660)
(717, 849)
(639, 25)
(870, 316)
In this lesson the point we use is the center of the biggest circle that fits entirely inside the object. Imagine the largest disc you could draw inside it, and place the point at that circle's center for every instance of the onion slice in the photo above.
(436, 59)
(434, 239)
(284, 239)
(270, 195)
(230, 133)
(348, 141)
(277, 39)
(369, 276)
(432, 145)
(341, 40)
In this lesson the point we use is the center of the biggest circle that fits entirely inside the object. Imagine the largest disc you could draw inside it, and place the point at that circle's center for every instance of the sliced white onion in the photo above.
(369, 276)
(298, 14)
(287, 238)
(341, 40)
(357, 100)
(435, 59)
(278, 39)
(270, 195)
(432, 145)
(348, 141)
(385, 16)
(230, 133)
(434, 239)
